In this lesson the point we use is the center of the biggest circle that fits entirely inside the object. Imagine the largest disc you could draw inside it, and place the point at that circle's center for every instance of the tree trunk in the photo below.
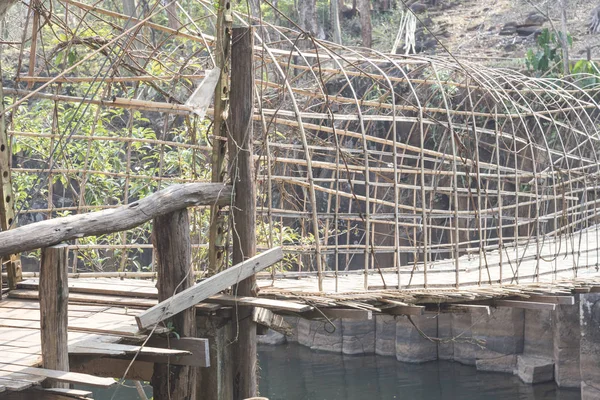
(307, 18)
(254, 6)
(364, 8)
(172, 16)
(335, 21)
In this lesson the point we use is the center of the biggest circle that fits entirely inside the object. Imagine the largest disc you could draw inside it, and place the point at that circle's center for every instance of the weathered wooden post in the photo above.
(171, 239)
(243, 213)
(54, 299)
(7, 214)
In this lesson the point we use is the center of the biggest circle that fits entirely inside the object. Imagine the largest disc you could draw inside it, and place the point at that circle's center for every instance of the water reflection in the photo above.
(293, 372)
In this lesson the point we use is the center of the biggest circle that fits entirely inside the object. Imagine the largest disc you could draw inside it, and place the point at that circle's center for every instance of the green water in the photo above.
(293, 372)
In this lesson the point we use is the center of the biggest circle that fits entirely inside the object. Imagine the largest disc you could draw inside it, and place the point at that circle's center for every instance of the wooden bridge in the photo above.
(368, 184)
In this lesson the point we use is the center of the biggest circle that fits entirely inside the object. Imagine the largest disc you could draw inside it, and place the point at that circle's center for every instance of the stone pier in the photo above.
(537, 345)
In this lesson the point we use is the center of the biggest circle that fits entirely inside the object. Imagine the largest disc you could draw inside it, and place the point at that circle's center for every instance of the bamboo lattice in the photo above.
(386, 170)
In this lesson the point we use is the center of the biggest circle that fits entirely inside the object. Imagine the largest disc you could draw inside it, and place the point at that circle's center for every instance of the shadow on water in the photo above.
(294, 372)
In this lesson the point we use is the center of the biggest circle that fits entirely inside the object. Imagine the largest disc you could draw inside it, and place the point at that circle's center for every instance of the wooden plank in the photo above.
(15, 385)
(271, 320)
(113, 368)
(564, 300)
(335, 313)
(16, 376)
(18, 358)
(54, 300)
(130, 349)
(197, 348)
(272, 304)
(584, 289)
(56, 230)
(61, 376)
(524, 304)
(405, 310)
(89, 351)
(89, 299)
(91, 287)
(208, 287)
(466, 308)
(69, 392)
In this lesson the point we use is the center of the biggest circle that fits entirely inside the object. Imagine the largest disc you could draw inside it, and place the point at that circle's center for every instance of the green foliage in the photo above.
(546, 59)
(587, 73)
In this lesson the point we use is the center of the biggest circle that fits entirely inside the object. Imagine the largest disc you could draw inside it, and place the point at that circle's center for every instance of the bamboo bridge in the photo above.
(403, 201)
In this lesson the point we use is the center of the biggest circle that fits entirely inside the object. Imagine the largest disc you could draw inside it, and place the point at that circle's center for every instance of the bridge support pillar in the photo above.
(590, 345)
(567, 337)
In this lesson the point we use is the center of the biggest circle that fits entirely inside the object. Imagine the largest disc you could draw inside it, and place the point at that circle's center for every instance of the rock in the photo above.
(567, 337)
(528, 30)
(535, 19)
(385, 335)
(422, 46)
(535, 369)
(410, 345)
(589, 308)
(446, 347)
(418, 8)
(538, 338)
(505, 364)
(358, 337)
(510, 28)
(320, 335)
(475, 27)
(272, 338)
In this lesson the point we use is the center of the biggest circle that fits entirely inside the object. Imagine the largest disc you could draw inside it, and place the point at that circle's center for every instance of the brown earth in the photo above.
(471, 28)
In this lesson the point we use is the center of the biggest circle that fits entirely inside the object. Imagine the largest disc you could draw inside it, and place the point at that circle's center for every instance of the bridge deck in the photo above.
(20, 342)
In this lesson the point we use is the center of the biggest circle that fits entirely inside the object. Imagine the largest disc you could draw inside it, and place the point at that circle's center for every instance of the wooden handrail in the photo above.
(53, 231)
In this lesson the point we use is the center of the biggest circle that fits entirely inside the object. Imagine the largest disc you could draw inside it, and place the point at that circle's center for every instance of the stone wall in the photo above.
(537, 345)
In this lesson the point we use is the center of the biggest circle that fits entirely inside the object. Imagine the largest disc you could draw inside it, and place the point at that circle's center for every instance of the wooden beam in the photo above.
(49, 232)
(198, 349)
(405, 310)
(466, 308)
(208, 287)
(272, 304)
(335, 313)
(171, 239)
(524, 304)
(565, 300)
(54, 301)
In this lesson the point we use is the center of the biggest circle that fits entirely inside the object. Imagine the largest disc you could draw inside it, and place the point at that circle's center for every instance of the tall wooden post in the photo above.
(7, 213)
(217, 247)
(243, 213)
(54, 299)
(171, 237)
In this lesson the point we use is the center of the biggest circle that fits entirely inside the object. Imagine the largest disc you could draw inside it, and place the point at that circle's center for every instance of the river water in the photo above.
(294, 372)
